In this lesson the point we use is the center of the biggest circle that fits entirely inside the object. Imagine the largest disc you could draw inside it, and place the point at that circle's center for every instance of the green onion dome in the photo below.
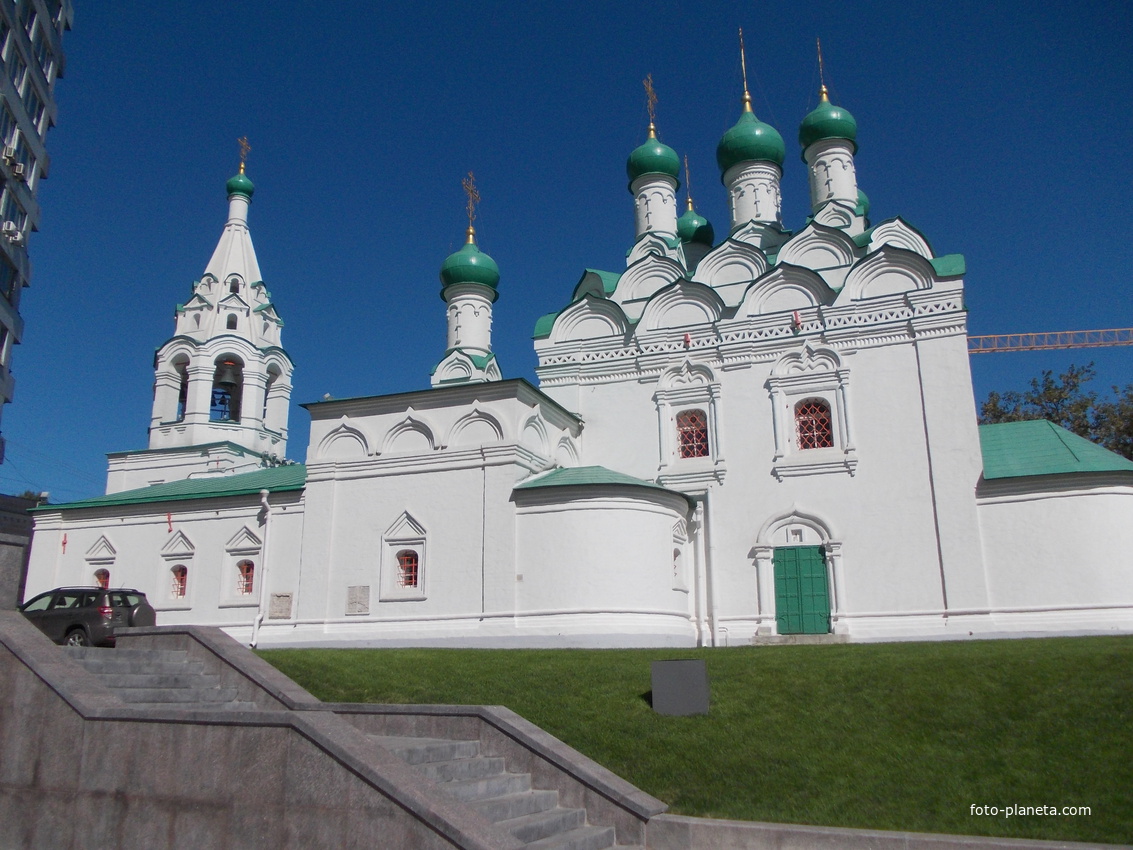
(653, 157)
(240, 185)
(470, 265)
(693, 227)
(750, 140)
(828, 121)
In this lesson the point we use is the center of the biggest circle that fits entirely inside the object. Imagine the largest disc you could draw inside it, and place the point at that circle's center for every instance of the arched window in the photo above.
(407, 568)
(182, 367)
(273, 376)
(245, 577)
(227, 390)
(180, 581)
(231, 324)
(102, 578)
(692, 434)
(234, 285)
(813, 425)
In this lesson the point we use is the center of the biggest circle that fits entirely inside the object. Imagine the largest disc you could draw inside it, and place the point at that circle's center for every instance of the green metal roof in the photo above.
(827, 121)
(653, 157)
(276, 479)
(1038, 447)
(544, 324)
(470, 265)
(596, 281)
(610, 279)
(240, 185)
(589, 475)
(950, 265)
(750, 140)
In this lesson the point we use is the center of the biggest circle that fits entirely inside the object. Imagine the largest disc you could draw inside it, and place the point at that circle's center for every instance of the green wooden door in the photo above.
(802, 599)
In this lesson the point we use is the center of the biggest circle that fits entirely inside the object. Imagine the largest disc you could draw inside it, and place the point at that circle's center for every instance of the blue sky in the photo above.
(1000, 130)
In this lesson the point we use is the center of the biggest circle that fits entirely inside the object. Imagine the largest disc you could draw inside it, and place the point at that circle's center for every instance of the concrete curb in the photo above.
(676, 832)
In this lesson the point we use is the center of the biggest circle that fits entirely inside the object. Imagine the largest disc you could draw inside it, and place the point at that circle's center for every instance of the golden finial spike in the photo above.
(245, 148)
(651, 104)
(688, 185)
(822, 93)
(743, 68)
(469, 184)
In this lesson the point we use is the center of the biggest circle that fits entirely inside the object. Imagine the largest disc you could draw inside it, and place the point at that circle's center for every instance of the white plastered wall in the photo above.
(146, 550)
(1060, 548)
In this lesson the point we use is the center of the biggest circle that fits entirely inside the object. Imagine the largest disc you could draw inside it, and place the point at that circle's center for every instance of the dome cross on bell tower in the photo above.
(224, 376)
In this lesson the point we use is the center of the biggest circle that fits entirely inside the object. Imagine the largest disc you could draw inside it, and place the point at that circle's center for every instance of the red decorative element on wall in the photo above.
(64, 544)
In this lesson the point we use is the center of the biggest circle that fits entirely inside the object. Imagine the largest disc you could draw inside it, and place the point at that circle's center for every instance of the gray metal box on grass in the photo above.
(680, 687)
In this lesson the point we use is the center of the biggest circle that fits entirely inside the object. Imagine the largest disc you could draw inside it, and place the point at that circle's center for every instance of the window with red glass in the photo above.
(245, 577)
(692, 434)
(813, 425)
(407, 568)
(180, 581)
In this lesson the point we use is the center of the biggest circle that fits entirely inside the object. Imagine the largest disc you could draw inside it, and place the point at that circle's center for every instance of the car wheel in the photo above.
(76, 637)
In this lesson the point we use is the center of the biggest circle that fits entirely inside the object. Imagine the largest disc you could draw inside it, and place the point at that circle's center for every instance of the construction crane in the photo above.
(995, 343)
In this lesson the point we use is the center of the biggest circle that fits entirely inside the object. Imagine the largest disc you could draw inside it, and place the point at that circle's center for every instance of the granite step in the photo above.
(179, 680)
(488, 787)
(177, 695)
(424, 750)
(468, 768)
(516, 805)
(135, 661)
(114, 653)
(233, 705)
(583, 838)
(544, 824)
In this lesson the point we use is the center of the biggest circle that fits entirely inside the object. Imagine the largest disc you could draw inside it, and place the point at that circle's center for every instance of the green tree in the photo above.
(1065, 401)
(1114, 422)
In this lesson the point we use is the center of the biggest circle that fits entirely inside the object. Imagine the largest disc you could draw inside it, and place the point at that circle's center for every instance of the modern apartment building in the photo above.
(31, 49)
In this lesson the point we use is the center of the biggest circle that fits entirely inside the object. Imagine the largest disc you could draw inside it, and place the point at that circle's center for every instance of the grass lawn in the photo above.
(903, 736)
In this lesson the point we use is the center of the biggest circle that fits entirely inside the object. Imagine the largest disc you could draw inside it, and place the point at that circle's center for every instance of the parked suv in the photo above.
(88, 616)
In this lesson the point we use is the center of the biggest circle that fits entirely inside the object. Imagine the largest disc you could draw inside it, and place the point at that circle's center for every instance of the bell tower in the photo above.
(222, 383)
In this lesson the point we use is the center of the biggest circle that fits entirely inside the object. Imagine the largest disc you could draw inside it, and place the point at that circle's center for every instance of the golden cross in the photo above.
(650, 98)
(743, 59)
(688, 185)
(821, 76)
(244, 149)
(469, 184)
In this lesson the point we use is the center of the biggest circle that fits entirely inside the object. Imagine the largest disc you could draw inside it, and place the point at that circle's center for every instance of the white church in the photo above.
(770, 435)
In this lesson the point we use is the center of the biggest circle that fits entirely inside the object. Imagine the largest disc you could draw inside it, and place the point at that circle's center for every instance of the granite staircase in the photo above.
(157, 678)
(162, 679)
(160, 744)
(506, 799)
